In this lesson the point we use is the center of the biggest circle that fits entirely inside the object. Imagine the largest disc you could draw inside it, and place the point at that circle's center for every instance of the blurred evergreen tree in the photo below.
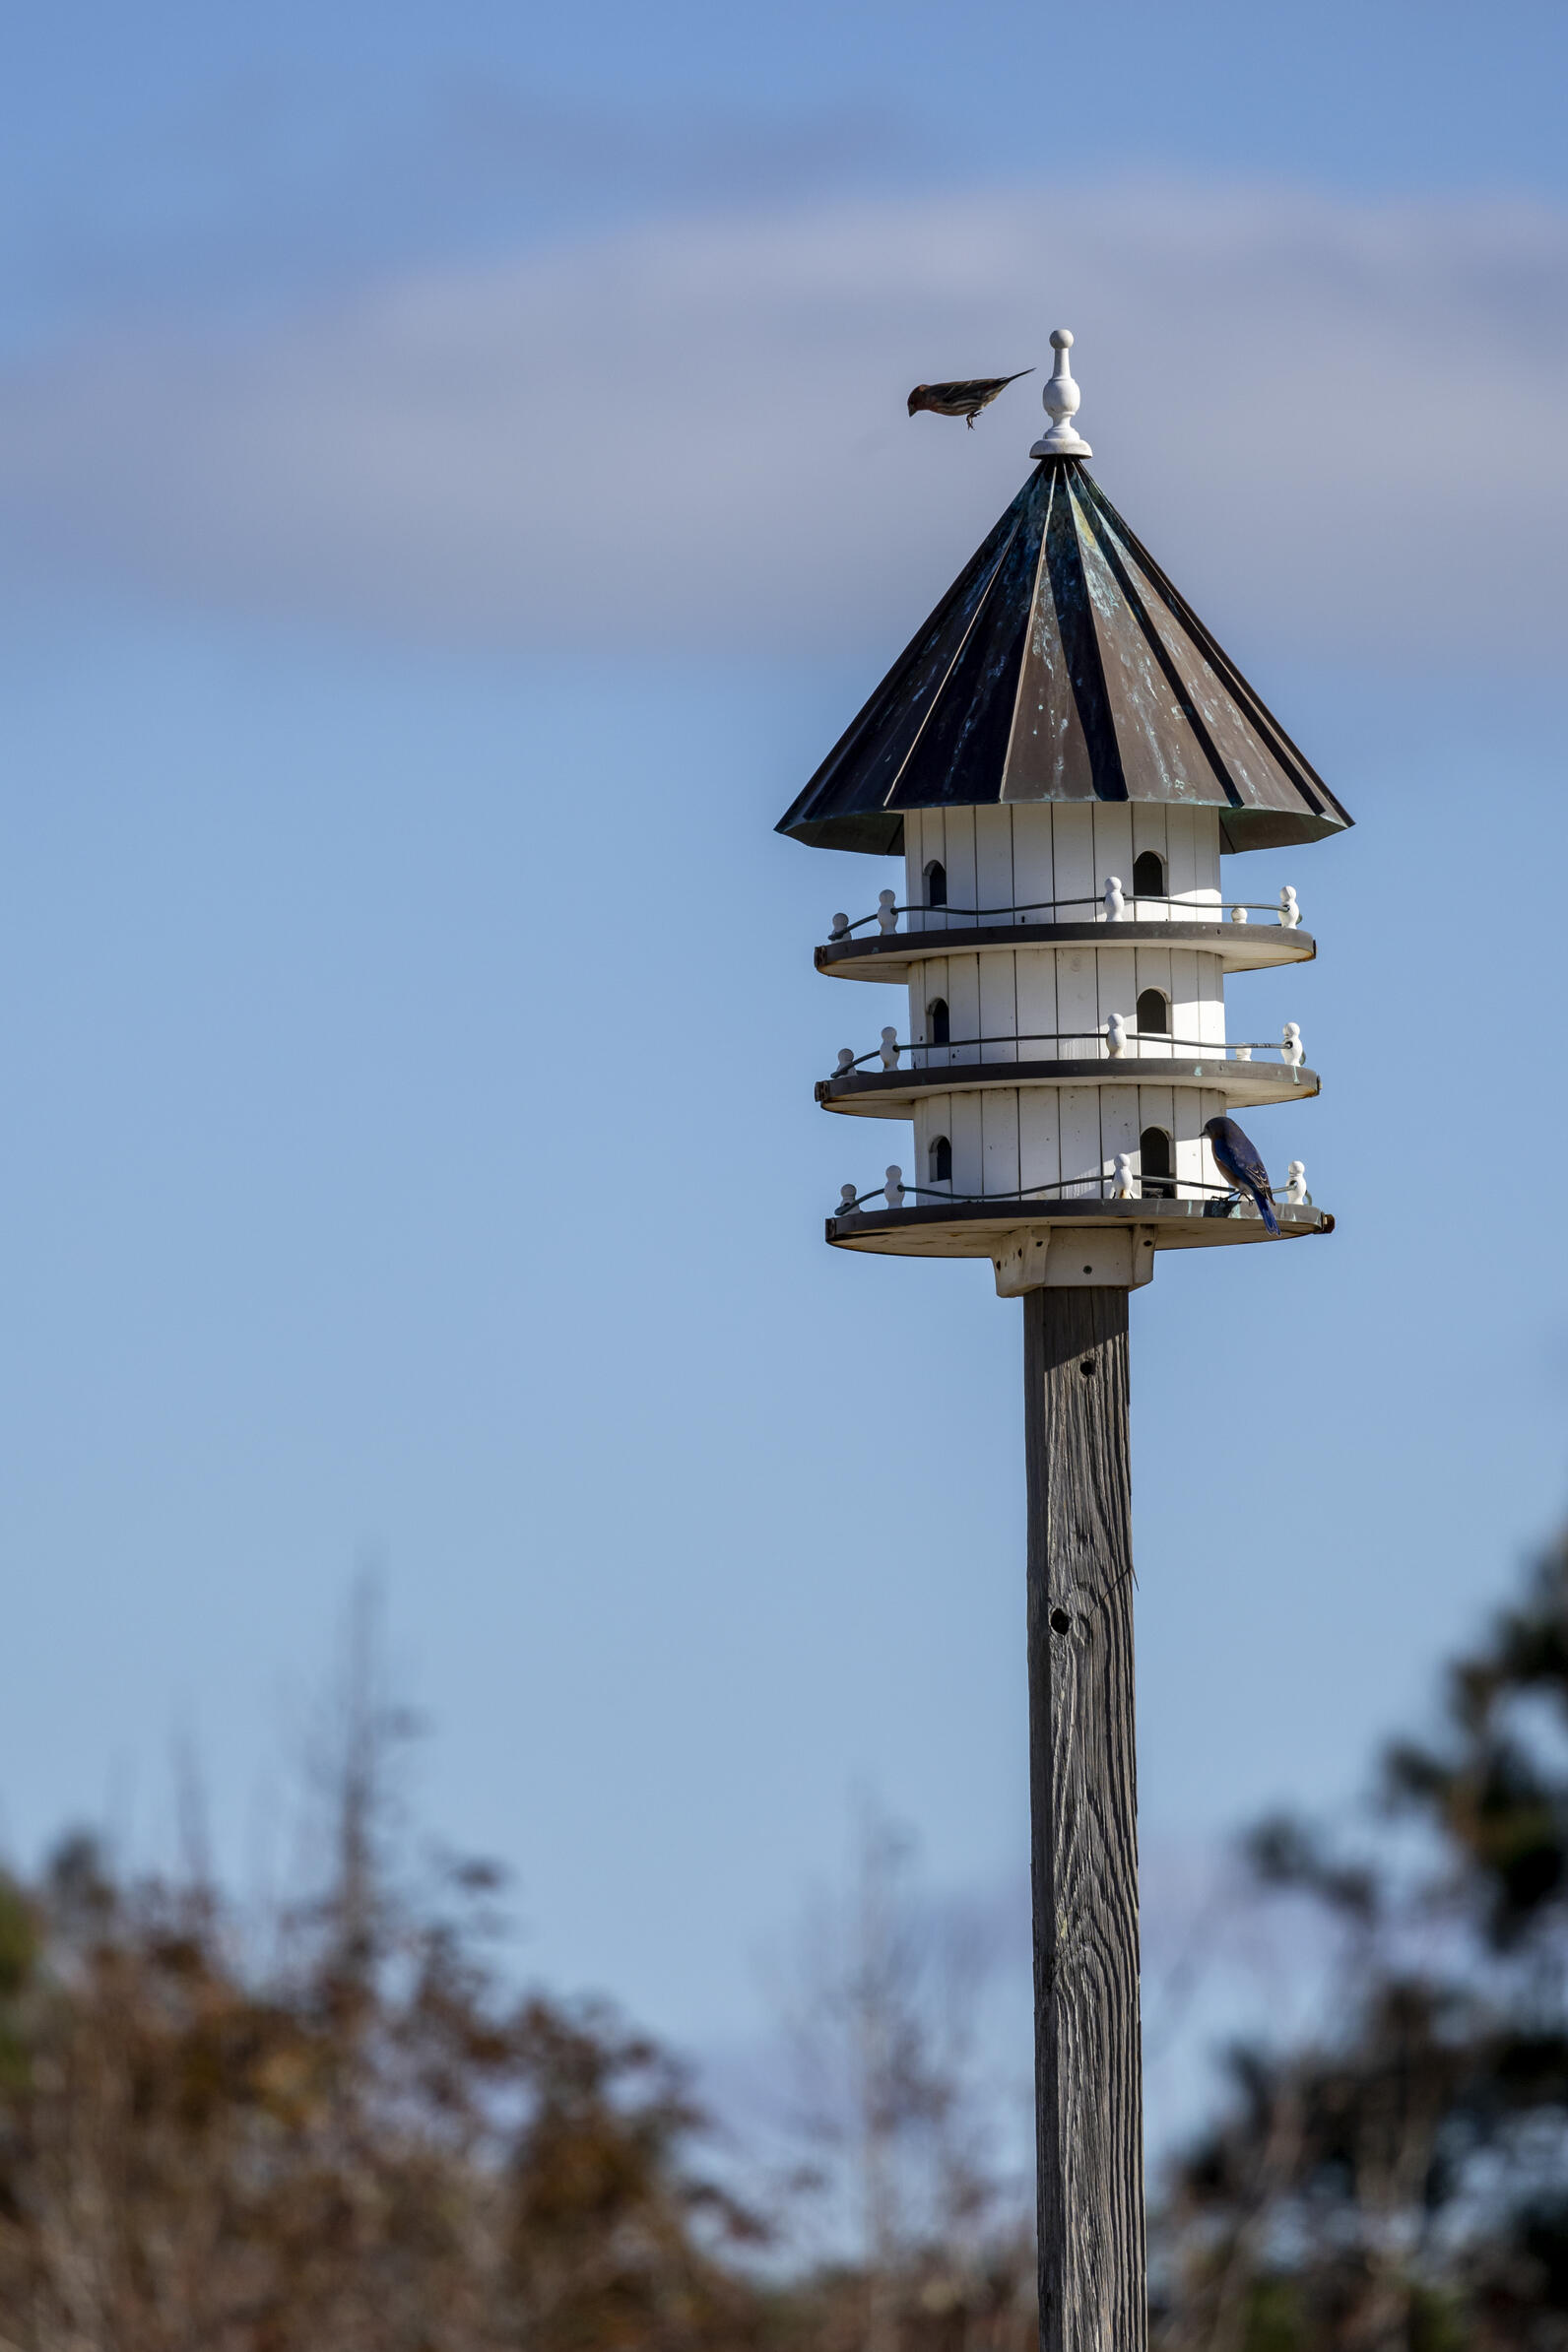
(1401, 2184)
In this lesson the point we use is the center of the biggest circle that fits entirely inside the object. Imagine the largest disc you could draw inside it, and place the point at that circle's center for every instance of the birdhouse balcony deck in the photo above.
(891, 955)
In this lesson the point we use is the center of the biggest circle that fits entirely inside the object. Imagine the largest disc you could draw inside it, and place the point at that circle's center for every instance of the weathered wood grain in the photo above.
(1088, 2085)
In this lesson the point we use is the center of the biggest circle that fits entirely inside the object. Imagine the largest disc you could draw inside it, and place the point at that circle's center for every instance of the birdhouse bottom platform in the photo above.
(1073, 1244)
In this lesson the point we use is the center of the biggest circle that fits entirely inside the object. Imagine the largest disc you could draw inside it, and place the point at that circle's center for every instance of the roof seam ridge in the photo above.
(1104, 721)
(1023, 665)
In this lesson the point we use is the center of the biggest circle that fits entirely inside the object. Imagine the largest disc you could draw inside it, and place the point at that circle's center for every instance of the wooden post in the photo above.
(1083, 1789)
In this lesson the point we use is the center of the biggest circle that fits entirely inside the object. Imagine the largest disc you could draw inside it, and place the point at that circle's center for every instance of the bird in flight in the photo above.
(1236, 1159)
(965, 398)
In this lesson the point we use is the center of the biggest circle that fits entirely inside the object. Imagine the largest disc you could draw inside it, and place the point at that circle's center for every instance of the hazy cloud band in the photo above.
(1340, 421)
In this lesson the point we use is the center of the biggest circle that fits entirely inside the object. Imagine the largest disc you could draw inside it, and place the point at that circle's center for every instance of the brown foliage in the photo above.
(366, 2151)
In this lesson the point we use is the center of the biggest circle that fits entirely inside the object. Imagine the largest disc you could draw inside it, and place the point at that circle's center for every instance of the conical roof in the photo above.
(1062, 666)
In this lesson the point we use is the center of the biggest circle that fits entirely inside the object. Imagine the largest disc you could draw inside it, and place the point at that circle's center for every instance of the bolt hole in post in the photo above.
(1087, 1367)
(1061, 1623)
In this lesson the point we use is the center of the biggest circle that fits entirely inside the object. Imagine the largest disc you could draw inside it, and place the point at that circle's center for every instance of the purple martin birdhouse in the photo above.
(1063, 756)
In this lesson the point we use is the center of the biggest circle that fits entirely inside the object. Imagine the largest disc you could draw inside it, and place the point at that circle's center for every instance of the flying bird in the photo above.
(965, 398)
(1236, 1159)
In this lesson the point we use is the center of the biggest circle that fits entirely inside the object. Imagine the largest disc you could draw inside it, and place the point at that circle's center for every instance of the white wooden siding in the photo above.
(1081, 1140)
(1077, 1012)
(1072, 863)
(1035, 971)
(1039, 1139)
(966, 1136)
(1185, 1006)
(963, 993)
(998, 1007)
(915, 869)
(1206, 856)
(930, 981)
(959, 827)
(993, 855)
(1000, 1139)
(1033, 869)
(1211, 1001)
(1182, 865)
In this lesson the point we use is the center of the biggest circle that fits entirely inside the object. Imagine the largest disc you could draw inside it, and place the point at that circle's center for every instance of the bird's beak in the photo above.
(914, 398)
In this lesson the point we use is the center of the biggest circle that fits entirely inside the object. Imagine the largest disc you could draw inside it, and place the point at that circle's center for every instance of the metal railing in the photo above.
(1174, 1048)
(1085, 1188)
(1286, 915)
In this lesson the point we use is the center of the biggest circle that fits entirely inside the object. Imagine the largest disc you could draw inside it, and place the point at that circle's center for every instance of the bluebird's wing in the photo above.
(1238, 1160)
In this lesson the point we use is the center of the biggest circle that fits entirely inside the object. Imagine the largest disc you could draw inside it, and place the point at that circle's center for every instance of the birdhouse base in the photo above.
(1074, 1257)
(1069, 1245)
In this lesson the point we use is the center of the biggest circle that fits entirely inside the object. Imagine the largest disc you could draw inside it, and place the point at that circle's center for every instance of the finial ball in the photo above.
(1061, 338)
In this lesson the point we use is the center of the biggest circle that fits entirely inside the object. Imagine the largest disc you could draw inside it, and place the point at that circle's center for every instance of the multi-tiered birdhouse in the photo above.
(1063, 756)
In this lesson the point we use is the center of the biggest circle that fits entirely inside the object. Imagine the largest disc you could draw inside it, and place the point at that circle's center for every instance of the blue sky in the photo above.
(454, 485)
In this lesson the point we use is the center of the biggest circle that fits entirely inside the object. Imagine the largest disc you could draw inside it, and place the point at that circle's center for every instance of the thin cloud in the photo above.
(1341, 419)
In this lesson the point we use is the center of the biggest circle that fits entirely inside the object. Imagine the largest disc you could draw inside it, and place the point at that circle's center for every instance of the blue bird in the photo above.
(1236, 1159)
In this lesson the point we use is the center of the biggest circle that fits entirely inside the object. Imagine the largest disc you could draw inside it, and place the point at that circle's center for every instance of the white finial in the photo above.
(847, 1197)
(1060, 400)
(1116, 1035)
(1114, 901)
(1124, 1188)
(894, 1188)
(847, 1061)
(1292, 1049)
(840, 930)
(1289, 911)
(889, 1049)
(1244, 1053)
(1296, 1192)
(886, 910)
(1238, 914)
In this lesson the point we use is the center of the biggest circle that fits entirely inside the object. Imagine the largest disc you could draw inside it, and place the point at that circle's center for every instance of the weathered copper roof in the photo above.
(1062, 666)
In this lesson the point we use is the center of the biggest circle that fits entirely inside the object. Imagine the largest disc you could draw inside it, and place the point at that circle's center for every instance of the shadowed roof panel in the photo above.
(1062, 666)
(967, 730)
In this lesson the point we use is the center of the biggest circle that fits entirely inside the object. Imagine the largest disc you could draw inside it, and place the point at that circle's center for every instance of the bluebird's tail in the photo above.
(1266, 1210)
